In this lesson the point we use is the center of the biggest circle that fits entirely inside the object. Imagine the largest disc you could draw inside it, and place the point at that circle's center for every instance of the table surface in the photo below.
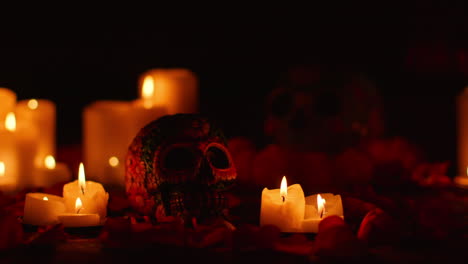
(79, 249)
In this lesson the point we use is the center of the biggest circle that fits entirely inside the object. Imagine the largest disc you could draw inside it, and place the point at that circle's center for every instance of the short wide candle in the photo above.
(42, 209)
(288, 213)
(78, 219)
(318, 207)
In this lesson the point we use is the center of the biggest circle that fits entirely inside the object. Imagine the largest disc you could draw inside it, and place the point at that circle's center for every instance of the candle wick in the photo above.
(284, 198)
(82, 190)
(78, 211)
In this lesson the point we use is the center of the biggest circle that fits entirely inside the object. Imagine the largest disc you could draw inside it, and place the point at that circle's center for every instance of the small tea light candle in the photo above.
(78, 219)
(92, 198)
(283, 207)
(42, 209)
(318, 207)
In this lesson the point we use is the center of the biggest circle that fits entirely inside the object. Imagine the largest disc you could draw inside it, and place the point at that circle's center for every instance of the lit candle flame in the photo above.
(113, 161)
(147, 91)
(467, 171)
(78, 205)
(320, 205)
(284, 189)
(81, 178)
(33, 104)
(2, 168)
(45, 198)
(49, 162)
(10, 122)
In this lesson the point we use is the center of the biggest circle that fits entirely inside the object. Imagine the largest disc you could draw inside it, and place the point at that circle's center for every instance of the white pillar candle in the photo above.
(283, 209)
(174, 89)
(318, 207)
(105, 134)
(93, 196)
(26, 146)
(42, 209)
(78, 219)
(51, 173)
(109, 128)
(37, 119)
(8, 155)
(7, 105)
(462, 127)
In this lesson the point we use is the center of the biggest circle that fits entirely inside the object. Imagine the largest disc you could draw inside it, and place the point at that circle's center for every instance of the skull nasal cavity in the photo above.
(217, 158)
(179, 159)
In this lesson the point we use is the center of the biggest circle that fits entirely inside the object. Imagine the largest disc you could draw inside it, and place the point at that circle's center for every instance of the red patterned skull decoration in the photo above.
(179, 165)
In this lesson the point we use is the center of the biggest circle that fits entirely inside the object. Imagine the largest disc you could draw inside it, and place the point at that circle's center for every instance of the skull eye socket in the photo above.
(179, 158)
(218, 158)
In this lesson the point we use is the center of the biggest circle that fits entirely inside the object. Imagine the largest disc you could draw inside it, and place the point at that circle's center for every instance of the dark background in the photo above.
(418, 58)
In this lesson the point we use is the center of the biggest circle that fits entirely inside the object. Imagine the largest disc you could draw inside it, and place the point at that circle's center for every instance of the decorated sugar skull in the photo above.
(178, 165)
(318, 111)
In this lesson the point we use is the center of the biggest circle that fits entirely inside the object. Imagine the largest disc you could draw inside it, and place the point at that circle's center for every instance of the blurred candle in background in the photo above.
(38, 118)
(106, 134)
(175, 89)
(93, 197)
(7, 104)
(9, 166)
(108, 129)
(51, 173)
(462, 127)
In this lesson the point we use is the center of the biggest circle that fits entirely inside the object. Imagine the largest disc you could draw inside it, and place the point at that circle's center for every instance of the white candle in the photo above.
(283, 207)
(42, 209)
(36, 119)
(109, 128)
(318, 207)
(462, 127)
(78, 219)
(8, 155)
(51, 173)
(174, 89)
(92, 194)
(8, 102)
(105, 135)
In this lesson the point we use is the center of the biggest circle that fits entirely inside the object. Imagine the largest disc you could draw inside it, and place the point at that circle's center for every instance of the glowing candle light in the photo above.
(82, 178)
(78, 219)
(10, 122)
(92, 195)
(8, 102)
(174, 89)
(49, 162)
(51, 173)
(147, 91)
(315, 210)
(33, 104)
(113, 161)
(320, 206)
(283, 207)
(284, 189)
